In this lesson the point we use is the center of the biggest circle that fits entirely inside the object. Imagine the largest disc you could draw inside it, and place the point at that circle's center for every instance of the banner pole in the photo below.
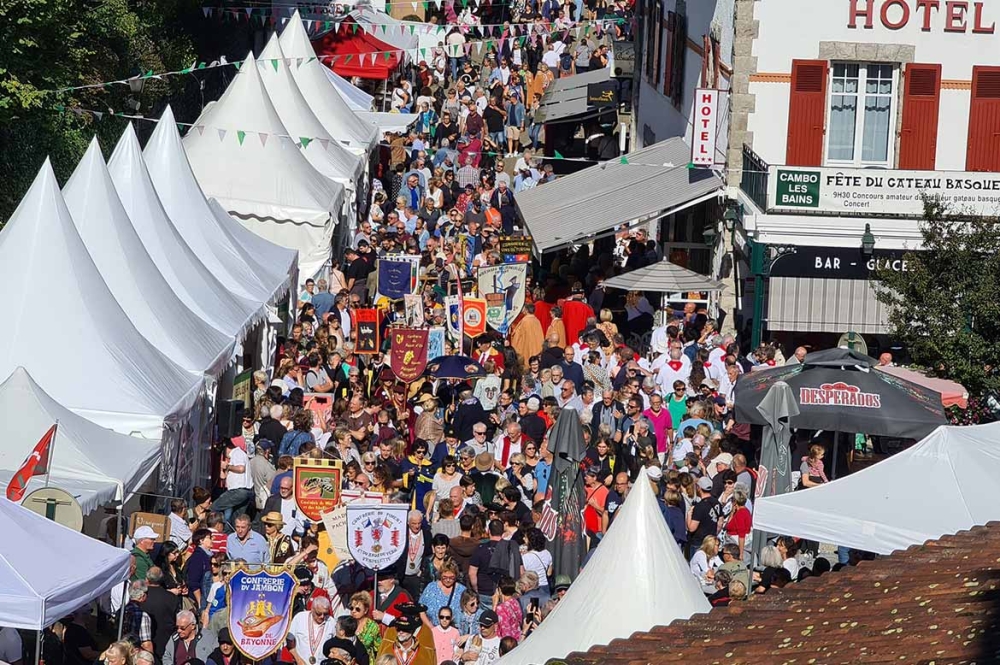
(375, 590)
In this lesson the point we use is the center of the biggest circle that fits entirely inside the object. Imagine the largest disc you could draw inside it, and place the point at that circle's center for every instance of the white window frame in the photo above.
(859, 118)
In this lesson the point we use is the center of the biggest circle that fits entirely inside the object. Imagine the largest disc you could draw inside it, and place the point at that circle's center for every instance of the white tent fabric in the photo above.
(663, 277)
(262, 178)
(330, 108)
(371, 21)
(356, 98)
(610, 600)
(945, 483)
(327, 154)
(389, 122)
(47, 570)
(263, 275)
(195, 284)
(94, 464)
(132, 276)
(104, 370)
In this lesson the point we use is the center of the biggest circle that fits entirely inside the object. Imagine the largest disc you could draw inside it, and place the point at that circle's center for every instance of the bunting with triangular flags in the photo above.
(222, 134)
(240, 134)
(263, 139)
(305, 141)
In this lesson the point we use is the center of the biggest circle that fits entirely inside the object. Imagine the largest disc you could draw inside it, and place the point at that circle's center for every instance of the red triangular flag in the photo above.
(37, 464)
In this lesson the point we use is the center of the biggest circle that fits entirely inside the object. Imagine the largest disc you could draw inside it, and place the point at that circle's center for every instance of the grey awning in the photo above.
(567, 97)
(825, 305)
(663, 277)
(577, 207)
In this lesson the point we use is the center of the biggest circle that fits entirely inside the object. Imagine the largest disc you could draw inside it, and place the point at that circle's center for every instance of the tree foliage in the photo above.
(46, 45)
(946, 306)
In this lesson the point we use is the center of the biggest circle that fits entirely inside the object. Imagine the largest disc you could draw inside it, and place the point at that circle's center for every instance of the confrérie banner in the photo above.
(866, 192)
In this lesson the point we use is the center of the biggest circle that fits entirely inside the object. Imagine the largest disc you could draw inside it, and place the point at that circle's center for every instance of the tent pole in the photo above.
(121, 610)
(38, 646)
(836, 453)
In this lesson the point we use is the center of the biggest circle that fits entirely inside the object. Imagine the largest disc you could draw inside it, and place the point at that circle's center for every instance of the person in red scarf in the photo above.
(510, 444)
(576, 312)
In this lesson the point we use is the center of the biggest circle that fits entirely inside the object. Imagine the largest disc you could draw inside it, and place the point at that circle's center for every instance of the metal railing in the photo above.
(754, 179)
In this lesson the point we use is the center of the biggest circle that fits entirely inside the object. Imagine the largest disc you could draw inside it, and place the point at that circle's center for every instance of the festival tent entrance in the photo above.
(636, 579)
(132, 275)
(331, 109)
(247, 265)
(94, 464)
(356, 98)
(350, 51)
(195, 284)
(66, 328)
(48, 571)
(244, 157)
(944, 484)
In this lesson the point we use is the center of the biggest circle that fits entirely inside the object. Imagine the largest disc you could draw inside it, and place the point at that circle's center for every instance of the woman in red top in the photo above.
(740, 522)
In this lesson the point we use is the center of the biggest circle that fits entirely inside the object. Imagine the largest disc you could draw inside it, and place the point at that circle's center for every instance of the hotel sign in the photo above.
(871, 192)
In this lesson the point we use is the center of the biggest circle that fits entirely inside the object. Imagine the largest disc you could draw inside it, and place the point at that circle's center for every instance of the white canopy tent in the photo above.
(48, 571)
(944, 484)
(356, 98)
(262, 273)
(244, 157)
(397, 123)
(65, 326)
(330, 108)
(611, 601)
(194, 283)
(663, 277)
(133, 276)
(94, 464)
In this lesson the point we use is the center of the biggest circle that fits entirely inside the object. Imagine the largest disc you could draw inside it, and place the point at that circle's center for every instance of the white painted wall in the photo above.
(793, 29)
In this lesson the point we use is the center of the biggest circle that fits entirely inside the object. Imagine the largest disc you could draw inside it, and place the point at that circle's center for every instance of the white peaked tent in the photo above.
(331, 109)
(132, 276)
(94, 464)
(244, 157)
(48, 571)
(324, 152)
(65, 327)
(190, 279)
(945, 483)
(356, 98)
(262, 275)
(636, 579)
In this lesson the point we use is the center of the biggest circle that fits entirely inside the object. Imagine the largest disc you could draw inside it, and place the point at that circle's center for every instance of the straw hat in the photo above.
(273, 518)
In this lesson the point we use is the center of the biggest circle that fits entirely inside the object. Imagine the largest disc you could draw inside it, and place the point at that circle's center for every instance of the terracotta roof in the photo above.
(932, 603)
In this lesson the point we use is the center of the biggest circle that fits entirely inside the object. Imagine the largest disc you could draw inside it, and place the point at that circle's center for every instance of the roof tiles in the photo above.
(933, 603)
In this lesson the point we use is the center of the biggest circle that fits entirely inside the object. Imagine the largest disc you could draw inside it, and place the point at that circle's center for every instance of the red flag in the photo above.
(36, 464)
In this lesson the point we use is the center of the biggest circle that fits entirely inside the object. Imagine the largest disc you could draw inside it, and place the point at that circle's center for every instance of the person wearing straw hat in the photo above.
(278, 544)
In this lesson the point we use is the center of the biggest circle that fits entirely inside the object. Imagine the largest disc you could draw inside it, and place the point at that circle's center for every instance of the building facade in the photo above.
(843, 115)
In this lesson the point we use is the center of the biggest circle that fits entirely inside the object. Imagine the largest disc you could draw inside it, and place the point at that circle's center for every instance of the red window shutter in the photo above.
(806, 113)
(984, 121)
(921, 101)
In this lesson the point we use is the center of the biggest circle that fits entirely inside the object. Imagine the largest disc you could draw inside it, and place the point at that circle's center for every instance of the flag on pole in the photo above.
(36, 464)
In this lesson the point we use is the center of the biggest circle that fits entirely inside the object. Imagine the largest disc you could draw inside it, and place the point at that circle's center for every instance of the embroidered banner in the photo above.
(366, 338)
(503, 286)
(407, 353)
(397, 276)
(260, 611)
(376, 535)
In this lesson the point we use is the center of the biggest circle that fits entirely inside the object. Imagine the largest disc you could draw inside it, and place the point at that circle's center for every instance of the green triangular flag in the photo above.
(347, 58)
(180, 127)
(426, 8)
(240, 134)
(691, 165)
(305, 141)
(413, 27)
(149, 73)
(387, 55)
(274, 63)
(556, 155)
(624, 159)
(201, 65)
(354, 28)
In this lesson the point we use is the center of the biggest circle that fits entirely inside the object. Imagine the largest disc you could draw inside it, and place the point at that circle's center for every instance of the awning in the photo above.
(825, 305)
(654, 181)
(389, 122)
(567, 97)
(358, 54)
(663, 277)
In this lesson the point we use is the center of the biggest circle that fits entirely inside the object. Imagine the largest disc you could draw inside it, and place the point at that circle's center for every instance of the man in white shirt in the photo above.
(677, 367)
(239, 486)
(311, 629)
(180, 533)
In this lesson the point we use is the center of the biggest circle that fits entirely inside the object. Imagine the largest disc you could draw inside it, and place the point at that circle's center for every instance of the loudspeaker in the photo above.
(230, 418)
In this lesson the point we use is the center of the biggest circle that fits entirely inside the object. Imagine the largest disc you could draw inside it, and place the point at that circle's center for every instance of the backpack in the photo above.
(503, 562)
(566, 61)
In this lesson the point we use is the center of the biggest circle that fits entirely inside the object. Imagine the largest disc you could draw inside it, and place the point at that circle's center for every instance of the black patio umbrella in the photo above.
(838, 390)
(455, 367)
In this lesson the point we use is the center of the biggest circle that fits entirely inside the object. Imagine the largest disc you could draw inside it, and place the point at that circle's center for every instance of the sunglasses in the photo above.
(444, 617)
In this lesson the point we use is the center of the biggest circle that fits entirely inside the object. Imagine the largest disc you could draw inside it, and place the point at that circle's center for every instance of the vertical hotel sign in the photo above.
(706, 117)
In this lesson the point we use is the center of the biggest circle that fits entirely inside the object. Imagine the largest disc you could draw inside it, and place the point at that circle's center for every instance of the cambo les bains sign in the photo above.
(875, 192)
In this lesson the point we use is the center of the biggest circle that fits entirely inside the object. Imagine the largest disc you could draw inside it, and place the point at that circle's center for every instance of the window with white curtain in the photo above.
(862, 118)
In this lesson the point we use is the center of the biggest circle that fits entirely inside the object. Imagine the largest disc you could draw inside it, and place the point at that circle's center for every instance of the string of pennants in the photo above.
(512, 37)
(242, 136)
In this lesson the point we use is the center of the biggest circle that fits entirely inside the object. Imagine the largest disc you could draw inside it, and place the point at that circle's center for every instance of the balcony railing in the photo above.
(754, 180)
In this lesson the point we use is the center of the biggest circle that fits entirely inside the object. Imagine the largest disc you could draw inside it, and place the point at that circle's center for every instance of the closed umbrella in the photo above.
(774, 474)
(566, 444)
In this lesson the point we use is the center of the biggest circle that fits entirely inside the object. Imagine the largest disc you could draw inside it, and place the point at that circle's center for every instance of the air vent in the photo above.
(988, 85)
(810, 78)
(923, 82)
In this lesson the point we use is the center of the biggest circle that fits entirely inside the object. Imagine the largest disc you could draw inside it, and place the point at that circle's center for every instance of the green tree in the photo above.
(946, 306)
(53, 44)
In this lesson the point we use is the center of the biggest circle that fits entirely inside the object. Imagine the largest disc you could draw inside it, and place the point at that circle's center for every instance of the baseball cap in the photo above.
(594, 470)
(144, 532)
(723, 458)
(705, 483)
(488, 618)
(265, 444)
